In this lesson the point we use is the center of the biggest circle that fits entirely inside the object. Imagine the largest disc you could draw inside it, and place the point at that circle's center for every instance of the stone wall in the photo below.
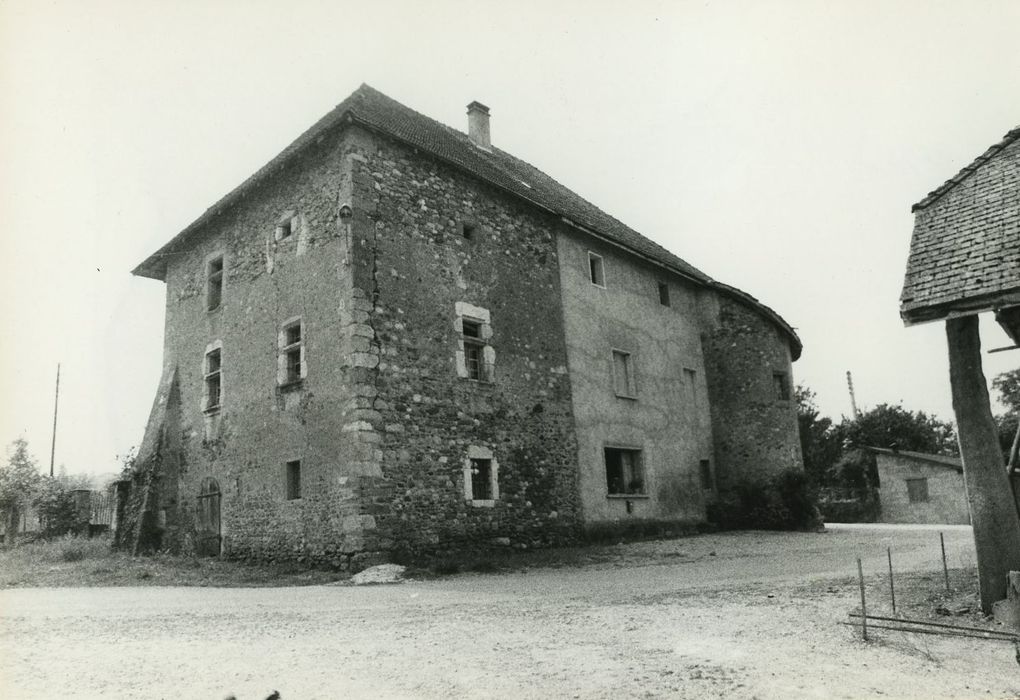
(270, 279)
(414, 268)
(755, 430)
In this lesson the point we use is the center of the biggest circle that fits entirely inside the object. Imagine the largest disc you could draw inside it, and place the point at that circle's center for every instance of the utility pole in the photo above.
(853, 399)
(56, 399)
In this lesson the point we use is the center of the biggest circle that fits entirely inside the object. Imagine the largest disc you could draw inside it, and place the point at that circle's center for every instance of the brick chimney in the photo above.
(478, 125)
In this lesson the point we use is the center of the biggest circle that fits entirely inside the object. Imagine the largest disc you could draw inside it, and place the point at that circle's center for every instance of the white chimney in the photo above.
(478, 125)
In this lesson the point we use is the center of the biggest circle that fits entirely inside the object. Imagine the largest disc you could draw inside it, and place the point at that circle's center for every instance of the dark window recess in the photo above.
(473, 345)
(467, 230)
(707, 482)
(917, 490)
(481, 479)
(624, 472)
(212, 379)
(284, 229)
(663, 293)
(294, 480)
(781, 386)
(292, 352)
(596, 270)
(214, 283)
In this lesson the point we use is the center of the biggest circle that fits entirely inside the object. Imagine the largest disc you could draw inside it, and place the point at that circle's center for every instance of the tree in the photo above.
(818, 443)
(1008, 386)
(18, 480)
(896, 427)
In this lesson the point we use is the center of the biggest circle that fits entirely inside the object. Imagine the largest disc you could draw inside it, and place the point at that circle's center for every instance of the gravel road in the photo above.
(742, 615)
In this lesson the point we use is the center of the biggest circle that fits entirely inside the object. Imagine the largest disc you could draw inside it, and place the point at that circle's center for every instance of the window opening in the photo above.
(623, 374)
(214, 283)
(481, 479)
(294, 480)
(781, 386)
(213, 376)
(707, 482)
(664, 294)
(596, 270)
(917, 490)
(624, 472)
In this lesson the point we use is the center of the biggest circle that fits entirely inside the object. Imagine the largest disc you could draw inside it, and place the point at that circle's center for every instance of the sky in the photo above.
(776, 145)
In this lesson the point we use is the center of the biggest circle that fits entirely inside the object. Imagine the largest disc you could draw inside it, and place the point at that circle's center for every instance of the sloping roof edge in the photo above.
(1011, 136)
(938, 460)
(154, 266)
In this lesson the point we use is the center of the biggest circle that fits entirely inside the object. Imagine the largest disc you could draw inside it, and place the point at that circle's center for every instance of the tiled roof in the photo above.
(374, 110)
(941, 460)
(965, 249)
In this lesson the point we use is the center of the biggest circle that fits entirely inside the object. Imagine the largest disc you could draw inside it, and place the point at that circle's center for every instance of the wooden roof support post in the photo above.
(992, 509)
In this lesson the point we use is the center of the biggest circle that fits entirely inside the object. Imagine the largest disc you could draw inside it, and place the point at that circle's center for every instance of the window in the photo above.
(214, 282)
(476, 357)
(663, 293)
(291, 367)
(691, 386)
(467, 230)
(624, 472)
(481, 477)
(596, 270)
(623, 374)
(213, 380)
(707, 482)
(781, 386)
(917, 490)
(294, 480)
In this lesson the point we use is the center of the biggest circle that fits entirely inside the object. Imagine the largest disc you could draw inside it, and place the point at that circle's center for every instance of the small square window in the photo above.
(481, 479)
(214, 283)
(284, 229)
(467, 230)
(623, 374)
(705, 469)
(625, 474)
(664, 294)
(917, 490)
(596, 270)
(294, 480)
(781, 386)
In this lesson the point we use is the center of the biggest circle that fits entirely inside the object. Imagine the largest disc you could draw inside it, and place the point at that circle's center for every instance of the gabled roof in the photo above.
(965, 249)
(371, 109)
(938, 460)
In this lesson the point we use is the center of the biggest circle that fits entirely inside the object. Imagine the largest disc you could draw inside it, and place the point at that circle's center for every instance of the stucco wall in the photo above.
(668, 417)
(755, 432)
(947, 496)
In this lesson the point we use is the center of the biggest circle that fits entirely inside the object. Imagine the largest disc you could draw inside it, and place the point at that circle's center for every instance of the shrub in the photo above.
(784, 502)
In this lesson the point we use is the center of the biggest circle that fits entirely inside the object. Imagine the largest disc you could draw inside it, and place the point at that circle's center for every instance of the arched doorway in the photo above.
(207, 535)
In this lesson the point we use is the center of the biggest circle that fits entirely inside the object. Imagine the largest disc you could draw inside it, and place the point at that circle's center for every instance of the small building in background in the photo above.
(915, 487)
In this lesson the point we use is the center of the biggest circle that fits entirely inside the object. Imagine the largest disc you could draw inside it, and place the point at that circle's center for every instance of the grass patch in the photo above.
(74, 561)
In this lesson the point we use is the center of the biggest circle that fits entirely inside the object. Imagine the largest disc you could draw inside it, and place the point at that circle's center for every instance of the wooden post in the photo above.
(864, 607)
(992, 509)
(945, 567)
(892, 586)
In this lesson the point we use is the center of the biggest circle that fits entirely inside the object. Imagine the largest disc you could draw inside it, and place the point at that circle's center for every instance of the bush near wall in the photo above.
(785, 502)
(849, 505)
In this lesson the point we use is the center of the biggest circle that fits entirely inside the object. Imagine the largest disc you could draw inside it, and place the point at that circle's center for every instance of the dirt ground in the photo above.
(741, 615)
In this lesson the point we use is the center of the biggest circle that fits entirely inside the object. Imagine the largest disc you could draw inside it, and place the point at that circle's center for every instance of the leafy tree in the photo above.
(18, 480)
(818, 441)
(896, 427)
(1008, 386)
(54, 501)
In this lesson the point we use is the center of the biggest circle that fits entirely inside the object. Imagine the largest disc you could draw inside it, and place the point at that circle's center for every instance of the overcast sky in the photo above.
(776, 145)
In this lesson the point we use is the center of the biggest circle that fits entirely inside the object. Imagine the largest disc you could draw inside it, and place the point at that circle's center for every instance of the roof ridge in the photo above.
(964, 172)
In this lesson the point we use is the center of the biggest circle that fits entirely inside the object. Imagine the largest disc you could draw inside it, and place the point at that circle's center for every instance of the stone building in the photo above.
(915, 487)
(396, 336)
